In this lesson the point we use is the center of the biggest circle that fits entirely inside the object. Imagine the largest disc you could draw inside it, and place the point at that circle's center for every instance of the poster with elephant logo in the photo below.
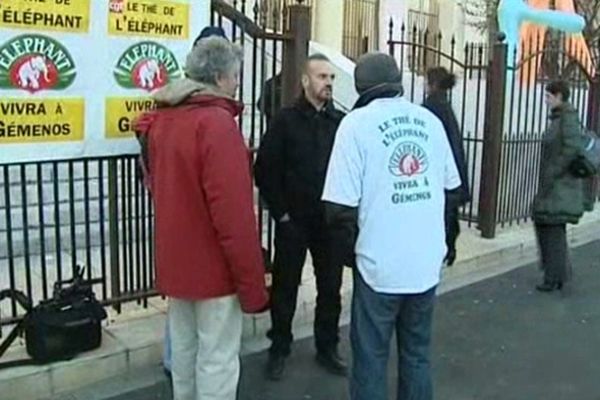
(75, 73)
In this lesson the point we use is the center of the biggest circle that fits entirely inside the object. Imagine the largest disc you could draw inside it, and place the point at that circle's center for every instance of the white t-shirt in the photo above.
(392, 160)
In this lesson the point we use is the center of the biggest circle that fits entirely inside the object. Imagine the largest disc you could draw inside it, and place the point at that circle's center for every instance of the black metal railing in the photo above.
(259, 28)
(55, 215)
(526, 119)
(96, 212)
(524, 115)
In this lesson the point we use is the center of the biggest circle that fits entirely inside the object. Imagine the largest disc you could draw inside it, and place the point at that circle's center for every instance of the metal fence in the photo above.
(526, 119)
(57, 214)
(93, 212)
(261, 32)
(501, 111)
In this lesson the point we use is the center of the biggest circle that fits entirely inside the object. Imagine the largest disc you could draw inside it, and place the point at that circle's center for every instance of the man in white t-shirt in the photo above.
(391, 164)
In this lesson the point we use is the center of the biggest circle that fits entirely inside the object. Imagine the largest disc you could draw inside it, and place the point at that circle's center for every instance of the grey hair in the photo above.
(211, 58)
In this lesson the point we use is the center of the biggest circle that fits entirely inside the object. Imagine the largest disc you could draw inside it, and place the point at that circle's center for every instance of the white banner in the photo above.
(74, 73)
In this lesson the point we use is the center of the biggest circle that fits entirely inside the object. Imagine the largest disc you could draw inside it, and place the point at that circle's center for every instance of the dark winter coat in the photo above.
(292, 160)
(439, 105)
(560, 196)
(269, 102)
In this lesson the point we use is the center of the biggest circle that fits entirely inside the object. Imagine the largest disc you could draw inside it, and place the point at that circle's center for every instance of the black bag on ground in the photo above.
(59, 328)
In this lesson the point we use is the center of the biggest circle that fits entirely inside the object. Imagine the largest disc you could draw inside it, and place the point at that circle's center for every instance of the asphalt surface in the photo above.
(495, 340)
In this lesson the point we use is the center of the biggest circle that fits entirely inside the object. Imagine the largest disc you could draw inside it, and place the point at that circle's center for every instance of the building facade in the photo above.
(356, 26)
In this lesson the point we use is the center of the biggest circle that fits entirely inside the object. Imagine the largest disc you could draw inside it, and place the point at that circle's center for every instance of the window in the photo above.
(423, 29)
(361, 27)
(273, 13)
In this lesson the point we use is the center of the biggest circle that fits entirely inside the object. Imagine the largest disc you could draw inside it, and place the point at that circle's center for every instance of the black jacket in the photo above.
(293, 157)
(269, 102)
(439, 105)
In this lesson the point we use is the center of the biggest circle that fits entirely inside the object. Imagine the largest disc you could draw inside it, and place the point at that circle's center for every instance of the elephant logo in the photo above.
(147, 66)
(35, 63)
(149, 74)
(408, 159)
(29, 73)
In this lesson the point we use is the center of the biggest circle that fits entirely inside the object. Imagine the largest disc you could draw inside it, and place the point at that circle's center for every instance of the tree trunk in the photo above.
(492, 24)
(550, 58)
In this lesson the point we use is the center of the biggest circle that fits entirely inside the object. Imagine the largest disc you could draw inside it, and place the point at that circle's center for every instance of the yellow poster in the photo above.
(46, 15)
(25, 121)
(120, 113)
(149, 18)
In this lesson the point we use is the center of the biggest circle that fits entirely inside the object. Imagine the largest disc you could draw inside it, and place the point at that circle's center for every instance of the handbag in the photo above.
(587, 163)
(61, 327)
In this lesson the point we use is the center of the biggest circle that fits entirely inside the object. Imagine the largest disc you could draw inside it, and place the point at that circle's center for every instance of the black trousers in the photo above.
(554, 251)
(452, 226)
(292, 242)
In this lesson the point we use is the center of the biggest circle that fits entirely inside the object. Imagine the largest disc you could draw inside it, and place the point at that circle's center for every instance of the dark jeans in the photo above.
(292, 241)
(554, 251)
(375, 317)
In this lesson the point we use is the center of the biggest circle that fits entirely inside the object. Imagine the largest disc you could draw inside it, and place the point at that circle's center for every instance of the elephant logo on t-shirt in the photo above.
(408, 160)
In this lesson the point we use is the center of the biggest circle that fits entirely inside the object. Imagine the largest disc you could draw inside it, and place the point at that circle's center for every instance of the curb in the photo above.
(131, 345)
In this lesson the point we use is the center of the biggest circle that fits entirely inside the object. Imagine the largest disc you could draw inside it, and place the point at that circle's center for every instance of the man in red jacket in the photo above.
(208, 255)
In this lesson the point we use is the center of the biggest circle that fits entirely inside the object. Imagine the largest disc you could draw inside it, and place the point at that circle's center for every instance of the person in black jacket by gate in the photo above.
(290, 172)
(269, 101)
(439, 83)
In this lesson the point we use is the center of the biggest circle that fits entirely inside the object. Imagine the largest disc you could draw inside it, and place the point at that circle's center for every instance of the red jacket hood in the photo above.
(143, 123)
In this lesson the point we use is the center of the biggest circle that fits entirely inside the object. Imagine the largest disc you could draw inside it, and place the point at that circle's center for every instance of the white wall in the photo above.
(328, 23)
(395, 9)
(202, 17)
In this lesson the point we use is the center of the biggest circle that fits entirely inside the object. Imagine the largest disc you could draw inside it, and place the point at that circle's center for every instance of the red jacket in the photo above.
(207, 242)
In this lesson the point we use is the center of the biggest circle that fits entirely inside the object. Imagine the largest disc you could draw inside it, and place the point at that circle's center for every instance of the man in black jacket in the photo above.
(290, 172)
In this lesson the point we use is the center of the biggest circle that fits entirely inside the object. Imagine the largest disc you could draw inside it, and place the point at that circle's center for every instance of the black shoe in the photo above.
(549, 286)
(332, 362)
(450, 258)
(275, 367)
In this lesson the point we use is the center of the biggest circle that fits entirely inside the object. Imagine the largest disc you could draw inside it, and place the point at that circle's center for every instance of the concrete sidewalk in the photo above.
(495, 340)
(133, 340)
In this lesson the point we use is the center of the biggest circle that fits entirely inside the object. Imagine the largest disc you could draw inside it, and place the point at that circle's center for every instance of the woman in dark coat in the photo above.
(439, 83)
(560, 197)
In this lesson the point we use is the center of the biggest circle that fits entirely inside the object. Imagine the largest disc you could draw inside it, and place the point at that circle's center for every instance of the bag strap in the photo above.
(18, 296)
(12, 336)
(591, 144)
(25, 302)
(19, 363)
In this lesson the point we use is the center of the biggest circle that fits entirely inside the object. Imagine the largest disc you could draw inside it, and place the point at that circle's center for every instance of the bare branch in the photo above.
(482, 15)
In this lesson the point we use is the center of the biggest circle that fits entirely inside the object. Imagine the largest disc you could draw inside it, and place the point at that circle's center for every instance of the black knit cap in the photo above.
(375, 70)
(210, 31)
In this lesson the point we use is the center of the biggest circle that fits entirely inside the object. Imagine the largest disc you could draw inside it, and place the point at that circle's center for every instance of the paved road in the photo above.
(495, 340)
